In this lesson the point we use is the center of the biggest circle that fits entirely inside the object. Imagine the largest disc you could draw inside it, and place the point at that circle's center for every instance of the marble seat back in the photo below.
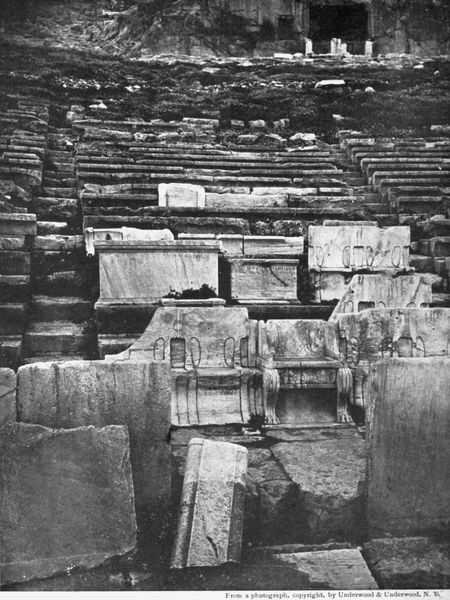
(285, 339)
(407, 333)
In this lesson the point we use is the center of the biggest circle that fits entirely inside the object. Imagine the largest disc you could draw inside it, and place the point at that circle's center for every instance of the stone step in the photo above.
(418, 204)
(10, 351)
(441, 300)
(14, 262)
(45, 228)
(58, 243)
(52, 357)
(421, 263)
(14, 288)
(56, 209)
(113, 344)
(60, 283)
(62, 337)
(12, 318)
(60, 192)
(60, 308)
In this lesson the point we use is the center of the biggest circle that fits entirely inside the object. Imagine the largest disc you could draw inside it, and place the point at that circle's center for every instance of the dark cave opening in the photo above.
(347, 22)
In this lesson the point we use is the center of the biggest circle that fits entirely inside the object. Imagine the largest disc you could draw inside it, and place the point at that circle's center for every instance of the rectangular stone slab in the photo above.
(135, 394)
(66, 499)
(17, 224)
(272, 245)
(182, 195)
(351, 247)
(264, 280)
(382, 291)
(210, 522)
(409, 447)
(132, 271)
(332, 569)
(8, 411)
(92, 236)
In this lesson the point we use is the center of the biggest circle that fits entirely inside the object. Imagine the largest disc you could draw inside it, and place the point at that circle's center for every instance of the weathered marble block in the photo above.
(66, 499)
(261, 280)
(212, 353)
(135, 272)
(211, 516)
(370, 335)
(181, 195)
(92, 236)
(272, 245)
(7, 396)
(383, 291)
(409, 447)
(135, 394)
(351, 247)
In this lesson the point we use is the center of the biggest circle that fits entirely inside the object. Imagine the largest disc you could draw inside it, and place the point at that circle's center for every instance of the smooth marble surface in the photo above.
(183, 195)
(146, 272)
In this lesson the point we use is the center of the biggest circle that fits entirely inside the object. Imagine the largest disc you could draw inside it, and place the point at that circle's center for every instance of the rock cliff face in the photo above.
(231, 27)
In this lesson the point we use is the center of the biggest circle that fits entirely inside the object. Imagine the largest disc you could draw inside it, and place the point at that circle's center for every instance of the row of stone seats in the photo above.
(410, 173)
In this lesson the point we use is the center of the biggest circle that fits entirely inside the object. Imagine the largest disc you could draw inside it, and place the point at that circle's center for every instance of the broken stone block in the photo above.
(181, 195)
(409, 446)
(135, 394)
(408, 563)
(383, 291)
(144, 272)
(66, 499)
(210, 522)
(332, 569)
(7, 396)
(329, 471)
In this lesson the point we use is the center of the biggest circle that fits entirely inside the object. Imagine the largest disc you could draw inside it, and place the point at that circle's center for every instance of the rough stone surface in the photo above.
(7, 396)
(330, 476)
(335, 569)
(383, 291)
(409, 446)
(408, 563)
(136, 394)
(211, 516)
(66, 499)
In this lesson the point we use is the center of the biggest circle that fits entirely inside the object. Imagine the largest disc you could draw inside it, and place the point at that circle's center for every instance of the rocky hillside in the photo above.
(140, 28)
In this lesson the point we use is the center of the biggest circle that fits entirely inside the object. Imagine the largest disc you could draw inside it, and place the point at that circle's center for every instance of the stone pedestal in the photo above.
(136, 272)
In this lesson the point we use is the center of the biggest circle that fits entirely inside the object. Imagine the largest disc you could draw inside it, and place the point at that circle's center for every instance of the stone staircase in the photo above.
(413, 176)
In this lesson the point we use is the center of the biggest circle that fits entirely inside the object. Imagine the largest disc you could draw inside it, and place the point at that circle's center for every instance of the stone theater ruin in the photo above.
(224, 295)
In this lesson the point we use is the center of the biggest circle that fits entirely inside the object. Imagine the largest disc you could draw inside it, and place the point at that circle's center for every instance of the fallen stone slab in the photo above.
(7, 396)
(408, 563)
(67, 499)
(332, 569)
(211, 516)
